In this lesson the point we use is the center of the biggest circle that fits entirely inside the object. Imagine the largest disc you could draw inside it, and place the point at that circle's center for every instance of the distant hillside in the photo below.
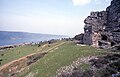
(8, 37)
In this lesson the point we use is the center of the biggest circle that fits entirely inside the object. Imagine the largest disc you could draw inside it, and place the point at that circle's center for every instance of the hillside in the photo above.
(94, 53)
(7, 37)
(59, 54)
(59, 59)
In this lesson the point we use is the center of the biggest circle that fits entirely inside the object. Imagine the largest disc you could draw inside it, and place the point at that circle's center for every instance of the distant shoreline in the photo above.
(11, 38)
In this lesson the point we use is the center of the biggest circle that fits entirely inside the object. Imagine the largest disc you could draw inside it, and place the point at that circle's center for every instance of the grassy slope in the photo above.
(18, 52)
(63, 56)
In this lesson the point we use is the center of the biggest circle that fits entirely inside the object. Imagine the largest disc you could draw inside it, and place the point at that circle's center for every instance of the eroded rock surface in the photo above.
(102, 29)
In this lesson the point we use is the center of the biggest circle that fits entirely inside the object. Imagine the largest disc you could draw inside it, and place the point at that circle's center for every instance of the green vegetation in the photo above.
(64, 55)
(18, 52)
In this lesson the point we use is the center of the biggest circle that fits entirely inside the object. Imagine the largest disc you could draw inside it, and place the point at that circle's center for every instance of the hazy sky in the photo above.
(63, 17)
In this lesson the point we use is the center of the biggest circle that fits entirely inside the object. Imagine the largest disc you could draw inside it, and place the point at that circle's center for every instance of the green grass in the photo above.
(84, 66)
(18, 52)
(63, 56)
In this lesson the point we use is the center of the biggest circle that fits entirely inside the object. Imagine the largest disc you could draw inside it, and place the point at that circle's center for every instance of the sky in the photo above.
(62, 17)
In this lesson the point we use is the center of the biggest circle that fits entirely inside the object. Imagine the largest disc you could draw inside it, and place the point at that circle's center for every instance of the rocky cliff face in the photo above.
(102, 29)
(94, 25)
(113, 20)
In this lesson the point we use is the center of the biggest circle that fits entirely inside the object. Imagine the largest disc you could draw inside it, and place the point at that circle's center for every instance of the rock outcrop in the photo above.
(99, 66)
(79, 37)
(102, 29)
(94, 25)
(113, 20)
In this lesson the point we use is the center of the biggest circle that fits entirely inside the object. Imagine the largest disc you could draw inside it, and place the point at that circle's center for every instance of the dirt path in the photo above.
(8, 64)
(55, 47)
